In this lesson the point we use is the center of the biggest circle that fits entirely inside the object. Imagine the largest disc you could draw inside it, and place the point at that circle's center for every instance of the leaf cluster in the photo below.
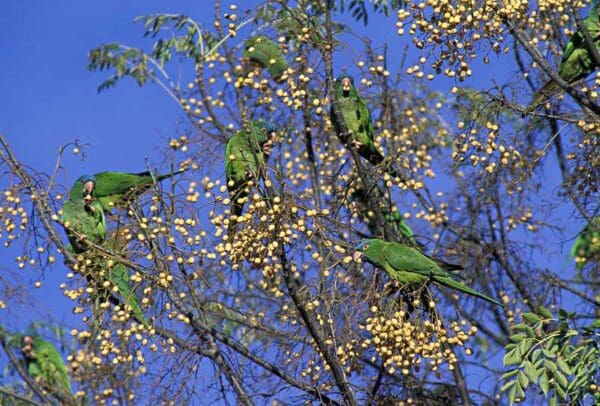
(554, 355)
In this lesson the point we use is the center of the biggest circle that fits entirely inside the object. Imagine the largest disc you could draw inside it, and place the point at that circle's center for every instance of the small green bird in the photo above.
(246, 155)
(577, 61)
(408, 265)
(115, 189)
(45, 365)
(265, 53)
(357, 118)
(83, 219)
(587, 244)
(83, 214)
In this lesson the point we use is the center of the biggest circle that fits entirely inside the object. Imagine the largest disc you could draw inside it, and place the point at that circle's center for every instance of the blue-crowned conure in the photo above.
(408, 265)
(577, 61)
(45, 365)
(357, 118)
(83, 220)
(246, 155)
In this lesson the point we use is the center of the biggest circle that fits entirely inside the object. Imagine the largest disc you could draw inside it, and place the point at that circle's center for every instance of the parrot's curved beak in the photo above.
(356, 256)
(269, 145)
(346, 86)
(89, 189)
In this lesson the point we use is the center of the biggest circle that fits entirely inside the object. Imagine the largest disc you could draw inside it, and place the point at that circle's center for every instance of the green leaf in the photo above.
(531, 318)
(508, 384)
(532, 372)
(563, 366)
(535, 355)
(523, 379)
(525, 345)
(544, 385)
(562, 393)
(512, 357)
(509, 374)
(516, 338)
(523, 328)
(548, 353)
(545, 313)
(561, 382)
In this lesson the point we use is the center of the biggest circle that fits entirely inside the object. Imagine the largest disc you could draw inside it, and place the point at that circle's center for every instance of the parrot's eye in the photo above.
(264, 130)
(366, 247)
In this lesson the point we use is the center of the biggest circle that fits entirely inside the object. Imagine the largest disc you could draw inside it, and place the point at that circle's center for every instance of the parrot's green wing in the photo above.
(266, 53)
(79, 218)
(115, 188)
(243, 159)
(404, 258)
(576, 62)
(49, 365)
(587, 244)
(119, 276)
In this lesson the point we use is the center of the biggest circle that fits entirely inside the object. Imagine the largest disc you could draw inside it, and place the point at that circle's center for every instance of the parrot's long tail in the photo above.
(451, 283)
(544, 94)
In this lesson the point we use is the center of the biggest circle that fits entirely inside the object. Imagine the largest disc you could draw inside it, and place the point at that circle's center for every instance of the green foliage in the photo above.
(185, 39)
(358, 8)
(559, 358)
(124, 61)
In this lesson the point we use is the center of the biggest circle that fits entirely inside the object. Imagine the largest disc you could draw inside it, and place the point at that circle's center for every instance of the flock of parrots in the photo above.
(246, 155)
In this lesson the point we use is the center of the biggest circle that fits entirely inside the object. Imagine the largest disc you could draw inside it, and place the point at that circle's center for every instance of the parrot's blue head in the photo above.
(267, 125)
(87, 178)
(366, 248)
(343, 76)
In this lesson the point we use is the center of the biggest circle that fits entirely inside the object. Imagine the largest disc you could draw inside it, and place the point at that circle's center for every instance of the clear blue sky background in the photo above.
(48, 98)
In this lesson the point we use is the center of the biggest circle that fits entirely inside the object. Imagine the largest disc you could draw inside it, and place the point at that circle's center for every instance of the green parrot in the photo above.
(408, 265)
(359, 196)
(577, 61)
(587, 244)
(265, 53)
(246, 154)
(358, 120)
(83, 214)
(114, 189)
(45, 365)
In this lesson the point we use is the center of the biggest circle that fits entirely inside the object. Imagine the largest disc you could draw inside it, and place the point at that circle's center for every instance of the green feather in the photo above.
(116, 188)
(244, 159)
(265, 53)
(577, 61)
(587, 244)
(45, 364)
(408, 265)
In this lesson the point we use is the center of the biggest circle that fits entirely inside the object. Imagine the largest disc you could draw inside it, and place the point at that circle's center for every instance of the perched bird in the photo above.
(83, 215)
(408, 265)
(587, 244)
(83, 219)
(114, 189)
(360, 198)
(246, 155)
(577, 61)
(357, 118)
(45, 365)
(265, 53)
